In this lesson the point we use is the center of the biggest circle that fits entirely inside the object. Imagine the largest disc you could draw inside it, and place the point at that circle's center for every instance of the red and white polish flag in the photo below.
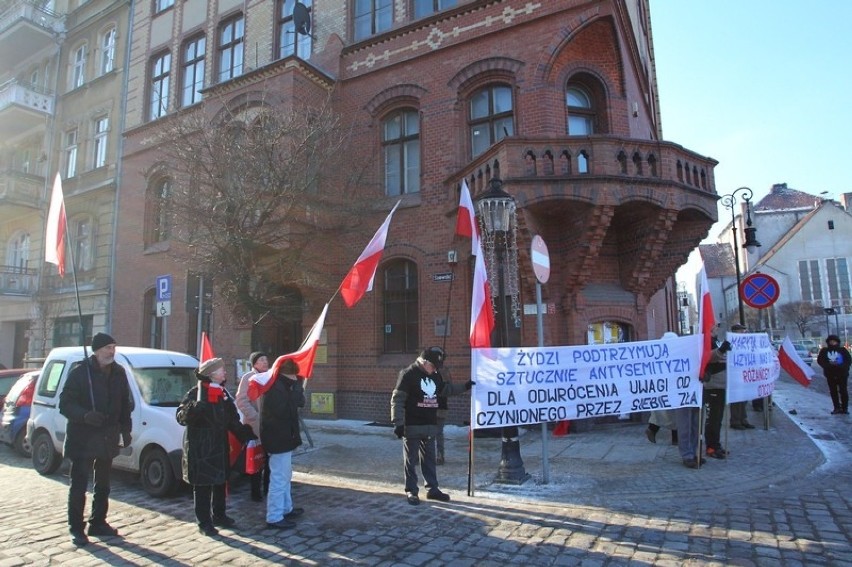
(793, 364)
(481, 312)
(260, 383)
(360, 278)
(706, 322)
(466, 222)
(54, 237)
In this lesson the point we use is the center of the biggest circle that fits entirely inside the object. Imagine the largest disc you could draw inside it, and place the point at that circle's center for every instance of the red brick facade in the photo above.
(617, 227)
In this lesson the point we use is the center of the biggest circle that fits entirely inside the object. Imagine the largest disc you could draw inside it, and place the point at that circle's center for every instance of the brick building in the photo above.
(556, 98)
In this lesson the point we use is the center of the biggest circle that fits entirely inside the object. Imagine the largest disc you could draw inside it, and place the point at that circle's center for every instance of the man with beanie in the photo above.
(208, 412)
(414, 414)
(96, 401)
(835, 361)
(250, 411)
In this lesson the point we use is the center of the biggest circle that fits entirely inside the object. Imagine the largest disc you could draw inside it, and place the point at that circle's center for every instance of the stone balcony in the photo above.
(17, 281)
(23, 108)
(19, 190)
(617, 210)
(26, 28)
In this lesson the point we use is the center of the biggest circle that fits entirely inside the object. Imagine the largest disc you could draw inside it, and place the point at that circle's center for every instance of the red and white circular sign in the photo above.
(540, 259)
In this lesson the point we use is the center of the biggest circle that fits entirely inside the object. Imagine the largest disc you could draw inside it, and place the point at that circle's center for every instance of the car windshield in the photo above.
(164, 387)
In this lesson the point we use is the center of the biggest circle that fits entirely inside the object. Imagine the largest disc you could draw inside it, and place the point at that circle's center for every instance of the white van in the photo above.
(158, 380)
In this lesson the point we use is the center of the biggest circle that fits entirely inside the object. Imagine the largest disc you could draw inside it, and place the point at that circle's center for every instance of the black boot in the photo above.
(674, 437)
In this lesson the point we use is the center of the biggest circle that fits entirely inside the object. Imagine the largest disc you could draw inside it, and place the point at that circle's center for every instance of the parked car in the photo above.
(16, 412)
(8, 377)
(805, 353)
(158, 380)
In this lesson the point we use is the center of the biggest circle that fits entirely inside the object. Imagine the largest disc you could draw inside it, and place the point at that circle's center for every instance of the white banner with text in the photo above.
(753, 367)
(529, 385)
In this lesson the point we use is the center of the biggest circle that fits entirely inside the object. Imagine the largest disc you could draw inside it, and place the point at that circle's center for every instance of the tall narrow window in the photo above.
(491, 117)
(809, 280)
(78, 71)
(581, 117)
(152, 325)
(83, 242)
(837, 271)
(193, 71)
(161, 66)
(289, 41)
(160, 5)
(400, 303)
(231, 49)
(372, 17)
(423, 8)
(401, 145)
(70, 153)
(101, 132)
(157, 212)
(108, 52)
(18, 252)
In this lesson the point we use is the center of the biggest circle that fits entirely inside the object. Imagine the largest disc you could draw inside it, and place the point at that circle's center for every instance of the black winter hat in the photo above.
(435, 355)
(832, 338)
(101, 340)
(254, 356)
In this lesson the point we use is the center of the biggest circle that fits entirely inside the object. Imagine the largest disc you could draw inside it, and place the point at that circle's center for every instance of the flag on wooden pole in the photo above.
(54, 238)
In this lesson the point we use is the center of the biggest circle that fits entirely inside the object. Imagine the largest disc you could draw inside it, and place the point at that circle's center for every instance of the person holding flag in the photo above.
(208, 412)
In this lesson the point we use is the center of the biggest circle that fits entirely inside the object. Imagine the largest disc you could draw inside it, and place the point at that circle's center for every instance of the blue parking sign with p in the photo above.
(164, 288)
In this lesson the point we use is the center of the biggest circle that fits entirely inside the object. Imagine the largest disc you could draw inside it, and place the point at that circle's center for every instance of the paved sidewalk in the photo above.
(783, 498)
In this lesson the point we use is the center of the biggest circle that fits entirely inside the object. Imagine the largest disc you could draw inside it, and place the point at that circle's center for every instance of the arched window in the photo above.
(401, 149)
(192, 69)
(491, 117)
(400, 307)
(581, 112)
(18, 252)
(107, 51)
(160, 81)
(78, 67)
(157, 222)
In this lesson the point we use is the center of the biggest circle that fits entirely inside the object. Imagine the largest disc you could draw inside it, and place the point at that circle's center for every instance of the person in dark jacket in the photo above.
(208, 412)
(414, 414)
(280, 435)
(96, 401)
(835, 361)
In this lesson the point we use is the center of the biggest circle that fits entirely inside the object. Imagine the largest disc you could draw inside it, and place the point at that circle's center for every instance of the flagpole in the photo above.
(79, 307)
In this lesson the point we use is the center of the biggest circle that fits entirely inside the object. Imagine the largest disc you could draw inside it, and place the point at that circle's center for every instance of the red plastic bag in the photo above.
(255, 457)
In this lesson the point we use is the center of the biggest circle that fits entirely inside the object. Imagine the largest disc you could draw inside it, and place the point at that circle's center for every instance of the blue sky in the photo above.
(762, 86)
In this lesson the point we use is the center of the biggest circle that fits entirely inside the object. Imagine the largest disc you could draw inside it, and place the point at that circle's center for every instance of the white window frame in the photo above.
(101, 139)
(108, 51)
(70, 153)
(78, 67)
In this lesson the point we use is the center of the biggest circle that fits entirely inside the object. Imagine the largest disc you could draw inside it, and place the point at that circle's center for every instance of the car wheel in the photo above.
(21, 445)
(45, 458)
(158, 478)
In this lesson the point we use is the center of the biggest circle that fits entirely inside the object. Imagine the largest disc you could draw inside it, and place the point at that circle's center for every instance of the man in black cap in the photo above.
(414, 413)
(835, 362)
(96, 401)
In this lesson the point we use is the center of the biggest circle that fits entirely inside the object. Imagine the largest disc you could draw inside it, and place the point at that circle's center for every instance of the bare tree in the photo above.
(802, 314)
(263, 198)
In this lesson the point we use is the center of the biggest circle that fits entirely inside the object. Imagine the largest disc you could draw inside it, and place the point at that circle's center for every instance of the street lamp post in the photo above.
(750, 244)
(496, 211)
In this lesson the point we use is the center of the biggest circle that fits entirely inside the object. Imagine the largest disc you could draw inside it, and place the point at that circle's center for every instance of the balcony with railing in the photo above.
(26, 28)
(591, 160)
(17, 281)
(23, 108)
(18, 190)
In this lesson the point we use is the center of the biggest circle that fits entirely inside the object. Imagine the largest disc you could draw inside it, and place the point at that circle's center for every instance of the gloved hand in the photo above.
(126, 439)
(399, 431)
(94, 418)
(470, 384)
(725, 347)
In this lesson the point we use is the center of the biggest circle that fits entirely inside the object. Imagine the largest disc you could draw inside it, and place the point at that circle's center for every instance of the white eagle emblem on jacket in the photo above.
(428, 386)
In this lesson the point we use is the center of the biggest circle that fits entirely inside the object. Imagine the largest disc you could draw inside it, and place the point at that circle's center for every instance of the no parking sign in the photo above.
(759, 291)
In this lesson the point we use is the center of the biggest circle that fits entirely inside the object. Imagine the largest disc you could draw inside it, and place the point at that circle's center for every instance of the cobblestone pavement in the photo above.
(782, 498)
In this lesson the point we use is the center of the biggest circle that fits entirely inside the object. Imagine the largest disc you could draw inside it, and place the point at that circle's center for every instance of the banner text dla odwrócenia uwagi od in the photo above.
(529, 385)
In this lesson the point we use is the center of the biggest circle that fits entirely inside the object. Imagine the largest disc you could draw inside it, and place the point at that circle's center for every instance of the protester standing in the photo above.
(835, 361)
(414, 414)
(209, 413)
(96, 401)
(251, 416)
(280, 436)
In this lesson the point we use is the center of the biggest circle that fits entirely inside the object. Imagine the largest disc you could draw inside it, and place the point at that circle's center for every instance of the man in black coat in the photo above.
(96, 401)
(280, 435)
(835, 362)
